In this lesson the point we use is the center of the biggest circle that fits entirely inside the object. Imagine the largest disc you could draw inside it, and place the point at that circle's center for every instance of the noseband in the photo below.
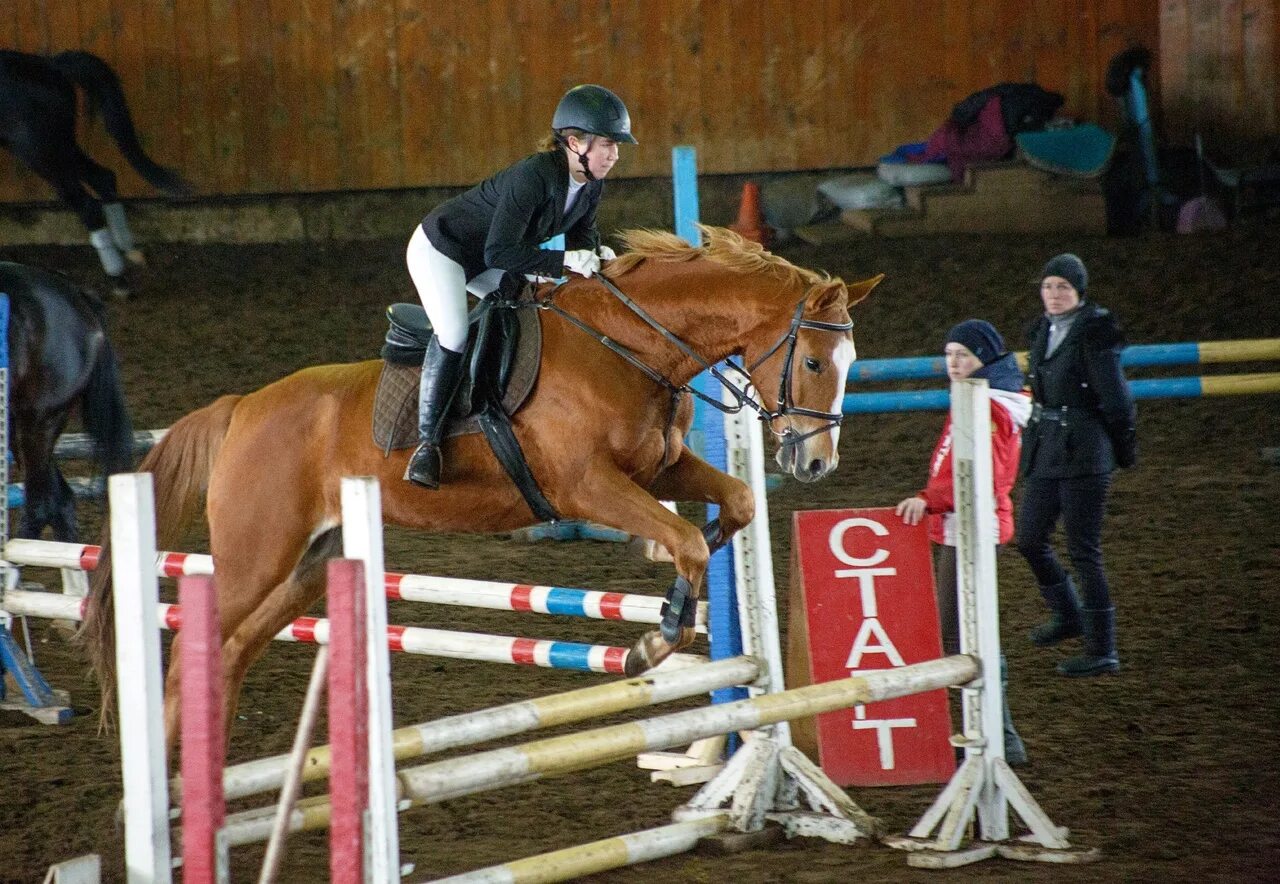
(742, 395)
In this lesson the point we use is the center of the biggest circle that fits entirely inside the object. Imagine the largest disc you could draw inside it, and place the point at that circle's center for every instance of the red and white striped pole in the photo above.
(203, 741)
(348, 721)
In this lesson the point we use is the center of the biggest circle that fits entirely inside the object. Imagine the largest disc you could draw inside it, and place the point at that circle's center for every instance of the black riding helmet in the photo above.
(596, 110)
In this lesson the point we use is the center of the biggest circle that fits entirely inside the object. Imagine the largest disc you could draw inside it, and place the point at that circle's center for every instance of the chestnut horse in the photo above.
(602, 435)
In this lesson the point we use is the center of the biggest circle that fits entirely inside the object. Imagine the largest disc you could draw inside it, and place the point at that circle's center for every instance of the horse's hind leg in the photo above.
(103, 182)
(249, 624)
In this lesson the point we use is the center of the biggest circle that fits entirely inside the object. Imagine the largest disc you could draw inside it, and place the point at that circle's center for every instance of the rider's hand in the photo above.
(584, 262)
(606, 253)
(912, 509)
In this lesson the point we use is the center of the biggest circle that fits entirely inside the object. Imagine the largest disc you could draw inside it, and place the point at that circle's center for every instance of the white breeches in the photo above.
(442, 287)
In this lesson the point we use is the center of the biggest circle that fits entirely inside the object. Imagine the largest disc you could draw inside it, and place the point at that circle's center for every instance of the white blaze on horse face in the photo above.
(841, 360)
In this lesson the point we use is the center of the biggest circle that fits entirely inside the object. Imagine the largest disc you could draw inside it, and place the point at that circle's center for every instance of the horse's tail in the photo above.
(102, 87)
(180, 465)
(105, 416)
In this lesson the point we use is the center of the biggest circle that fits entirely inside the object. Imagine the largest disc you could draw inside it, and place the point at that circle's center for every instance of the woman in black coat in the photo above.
(469, 242)
(1082, 427)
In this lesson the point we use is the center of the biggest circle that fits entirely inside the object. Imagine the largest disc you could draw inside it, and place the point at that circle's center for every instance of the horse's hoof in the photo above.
(651, 650)
(136, 258)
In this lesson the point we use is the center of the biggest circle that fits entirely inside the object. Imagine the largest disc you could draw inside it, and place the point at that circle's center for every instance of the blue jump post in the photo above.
(707, 439)
(42, 702)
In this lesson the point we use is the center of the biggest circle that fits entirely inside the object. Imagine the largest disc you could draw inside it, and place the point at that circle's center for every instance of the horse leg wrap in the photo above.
(119, 226)
(713, 534)
(108, 254)
(680, 610)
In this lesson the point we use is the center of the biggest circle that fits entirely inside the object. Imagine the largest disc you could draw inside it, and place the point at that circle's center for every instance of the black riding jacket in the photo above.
(1083, 422)
(501, 221)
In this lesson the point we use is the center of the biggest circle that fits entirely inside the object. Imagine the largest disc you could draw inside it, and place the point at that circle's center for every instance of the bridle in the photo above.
(742, 395)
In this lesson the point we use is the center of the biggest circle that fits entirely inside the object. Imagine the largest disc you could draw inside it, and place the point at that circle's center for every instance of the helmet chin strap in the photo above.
(582, 157)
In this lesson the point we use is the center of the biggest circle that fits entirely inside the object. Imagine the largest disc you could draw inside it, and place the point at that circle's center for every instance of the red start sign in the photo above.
(869, 604)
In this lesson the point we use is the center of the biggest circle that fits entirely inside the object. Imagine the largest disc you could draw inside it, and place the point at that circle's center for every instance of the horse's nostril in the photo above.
(816, 467)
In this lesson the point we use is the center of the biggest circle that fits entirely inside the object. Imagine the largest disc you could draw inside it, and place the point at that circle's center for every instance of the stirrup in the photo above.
(423, 468)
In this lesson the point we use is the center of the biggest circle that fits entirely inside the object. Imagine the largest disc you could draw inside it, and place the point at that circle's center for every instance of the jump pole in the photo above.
(455, 591)
(472, 774)
(524, 716)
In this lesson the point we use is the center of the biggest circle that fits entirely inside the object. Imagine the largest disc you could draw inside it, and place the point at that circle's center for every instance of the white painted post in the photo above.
(140, 686)
(753, 558)
(977, 536)
(362, 539)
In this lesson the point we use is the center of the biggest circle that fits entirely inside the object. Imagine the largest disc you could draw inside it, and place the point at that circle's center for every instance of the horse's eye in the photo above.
(812, 364)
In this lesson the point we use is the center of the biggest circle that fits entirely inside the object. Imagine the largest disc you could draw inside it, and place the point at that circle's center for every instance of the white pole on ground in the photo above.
(140, 686)
(362, 539)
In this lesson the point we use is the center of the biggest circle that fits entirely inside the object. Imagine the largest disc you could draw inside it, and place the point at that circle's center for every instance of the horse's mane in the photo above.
(719, 244)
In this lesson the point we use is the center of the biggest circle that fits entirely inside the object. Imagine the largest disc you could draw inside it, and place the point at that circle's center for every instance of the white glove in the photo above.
(584, 262)
(606, 253)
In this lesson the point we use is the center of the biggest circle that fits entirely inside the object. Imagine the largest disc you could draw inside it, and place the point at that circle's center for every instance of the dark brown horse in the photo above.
(60, 362)
(603, 439)
(38, 125)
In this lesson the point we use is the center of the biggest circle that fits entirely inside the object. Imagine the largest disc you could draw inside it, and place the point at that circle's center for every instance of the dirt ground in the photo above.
(1169, 767)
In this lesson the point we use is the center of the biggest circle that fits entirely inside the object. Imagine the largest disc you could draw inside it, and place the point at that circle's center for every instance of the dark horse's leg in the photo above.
(103, 182)
(49, 500)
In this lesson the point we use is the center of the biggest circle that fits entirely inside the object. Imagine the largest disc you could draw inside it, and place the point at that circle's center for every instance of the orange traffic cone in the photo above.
(750, 223)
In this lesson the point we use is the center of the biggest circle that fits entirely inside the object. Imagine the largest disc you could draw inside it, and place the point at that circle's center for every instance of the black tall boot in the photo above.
(441, 371)
(1064, 615)
(1099, 646)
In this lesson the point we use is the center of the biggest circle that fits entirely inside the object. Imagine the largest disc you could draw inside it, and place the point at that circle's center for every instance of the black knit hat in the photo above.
(981, 339)
(1070, 268)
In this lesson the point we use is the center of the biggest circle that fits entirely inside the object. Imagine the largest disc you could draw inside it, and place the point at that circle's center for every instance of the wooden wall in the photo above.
(1219, 61)
(264, 96)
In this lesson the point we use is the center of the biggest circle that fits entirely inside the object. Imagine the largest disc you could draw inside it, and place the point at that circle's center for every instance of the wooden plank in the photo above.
(159, 94)
(1261, 52)
(685, 57)
(130, 65)
(320, 94)
(368, 99)
(225, 102)
(191, 38)
(1230, 96)
(285, 125)
(31, 26)
(257, 73)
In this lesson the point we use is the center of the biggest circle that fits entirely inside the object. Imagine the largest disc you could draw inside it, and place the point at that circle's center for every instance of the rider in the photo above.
(468, 242)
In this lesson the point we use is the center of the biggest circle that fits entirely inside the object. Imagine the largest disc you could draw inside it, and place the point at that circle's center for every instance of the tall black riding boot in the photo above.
(1099, 646)
(441, 371)
(1064, 615)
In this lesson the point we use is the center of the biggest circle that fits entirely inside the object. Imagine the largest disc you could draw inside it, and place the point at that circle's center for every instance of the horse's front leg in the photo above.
(610, 497)
(692, 479)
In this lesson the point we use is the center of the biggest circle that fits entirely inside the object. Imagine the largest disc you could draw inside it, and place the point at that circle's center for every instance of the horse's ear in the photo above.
(859, 290)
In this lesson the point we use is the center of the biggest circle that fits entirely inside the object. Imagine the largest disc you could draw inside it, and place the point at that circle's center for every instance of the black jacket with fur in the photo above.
(501, 221)
(1088, 426)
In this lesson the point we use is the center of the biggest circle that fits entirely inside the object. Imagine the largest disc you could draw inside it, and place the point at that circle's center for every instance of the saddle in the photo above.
(503, 355)
(504, 350)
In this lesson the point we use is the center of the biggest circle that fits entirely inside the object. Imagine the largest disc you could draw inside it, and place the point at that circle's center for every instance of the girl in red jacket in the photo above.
(974, 349)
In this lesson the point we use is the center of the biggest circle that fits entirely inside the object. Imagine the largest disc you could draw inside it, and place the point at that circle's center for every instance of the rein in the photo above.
(741, 395)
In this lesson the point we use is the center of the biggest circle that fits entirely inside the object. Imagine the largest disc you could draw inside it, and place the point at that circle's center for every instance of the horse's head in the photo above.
(790, 325)
(801, 376)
